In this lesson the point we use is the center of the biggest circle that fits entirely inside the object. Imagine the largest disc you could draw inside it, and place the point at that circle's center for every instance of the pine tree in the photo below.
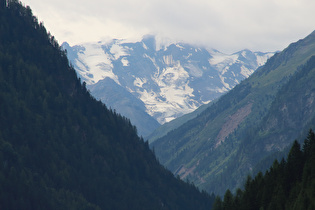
(286, 185)
(228, 201)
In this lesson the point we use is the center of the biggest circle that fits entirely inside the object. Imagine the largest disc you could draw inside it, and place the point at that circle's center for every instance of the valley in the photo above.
(171, 82)
(148, 125)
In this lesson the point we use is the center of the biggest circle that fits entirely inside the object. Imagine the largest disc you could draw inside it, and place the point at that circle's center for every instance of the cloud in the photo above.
(226, 25)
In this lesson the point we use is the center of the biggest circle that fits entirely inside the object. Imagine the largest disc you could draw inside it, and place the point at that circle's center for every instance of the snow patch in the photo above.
(246, 72)
(218, 90)
(144, 46)
(226, 85)
(179, 46)
(188, 56)
(153, 61)
(174, 96)
(244, 54)
(206, 102)
(261, 60)
(168, 59)
(194, 70)
(124, 61)
(93, 60)
(221, 60)
(139, 82)
(117, 51)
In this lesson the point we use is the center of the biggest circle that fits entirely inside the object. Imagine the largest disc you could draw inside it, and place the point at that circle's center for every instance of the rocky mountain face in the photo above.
(257, 119)
(156, 82)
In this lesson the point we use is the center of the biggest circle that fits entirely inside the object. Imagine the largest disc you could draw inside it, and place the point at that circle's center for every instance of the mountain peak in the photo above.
(149, 42)
(171, 81)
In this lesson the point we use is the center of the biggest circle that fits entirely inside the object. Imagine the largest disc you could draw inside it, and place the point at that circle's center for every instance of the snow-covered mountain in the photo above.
(166, 81)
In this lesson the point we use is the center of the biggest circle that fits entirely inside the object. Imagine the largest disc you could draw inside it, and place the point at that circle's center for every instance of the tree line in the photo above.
(288, 184)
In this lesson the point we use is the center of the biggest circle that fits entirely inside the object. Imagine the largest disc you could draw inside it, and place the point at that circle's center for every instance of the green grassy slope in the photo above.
(208, 149)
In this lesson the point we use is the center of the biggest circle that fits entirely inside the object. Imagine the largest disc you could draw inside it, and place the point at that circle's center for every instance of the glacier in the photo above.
(169, 80)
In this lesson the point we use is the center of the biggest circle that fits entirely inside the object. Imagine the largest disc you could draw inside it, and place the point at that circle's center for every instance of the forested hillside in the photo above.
(59, 147)
(289, 184)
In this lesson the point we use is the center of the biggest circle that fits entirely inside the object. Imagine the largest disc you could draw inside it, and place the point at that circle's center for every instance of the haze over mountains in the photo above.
(156, 83)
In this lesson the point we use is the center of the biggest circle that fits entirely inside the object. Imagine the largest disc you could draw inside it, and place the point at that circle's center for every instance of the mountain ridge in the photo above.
(212, 145)
(170, 80)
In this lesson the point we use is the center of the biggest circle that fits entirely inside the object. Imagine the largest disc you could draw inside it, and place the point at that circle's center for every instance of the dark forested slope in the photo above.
(289, 184)
(59, 147)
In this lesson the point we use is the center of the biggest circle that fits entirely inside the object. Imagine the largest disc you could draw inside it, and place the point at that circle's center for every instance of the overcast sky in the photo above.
(225, 25)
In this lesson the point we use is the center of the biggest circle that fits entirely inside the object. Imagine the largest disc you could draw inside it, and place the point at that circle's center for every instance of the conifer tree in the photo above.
(289, 184)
